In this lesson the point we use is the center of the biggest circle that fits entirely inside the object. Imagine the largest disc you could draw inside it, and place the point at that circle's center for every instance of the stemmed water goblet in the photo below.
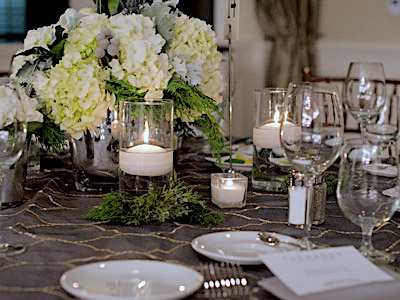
(368, 190)
(12, 141)
(364, 93)
(311, 135)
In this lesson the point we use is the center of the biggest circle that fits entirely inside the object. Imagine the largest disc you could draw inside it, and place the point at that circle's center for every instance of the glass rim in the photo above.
(319, 84)
(155, 101)
(271, 89)
(230, 176)
(366, 62)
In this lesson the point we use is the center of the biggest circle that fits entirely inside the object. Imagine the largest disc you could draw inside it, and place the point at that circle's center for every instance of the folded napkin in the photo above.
(388, 290)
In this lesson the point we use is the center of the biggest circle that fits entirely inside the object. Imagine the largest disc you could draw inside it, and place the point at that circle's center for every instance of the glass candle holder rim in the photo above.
(148, 102)
(324, 88)
(313, 84)
(274, 90)
(230, 176)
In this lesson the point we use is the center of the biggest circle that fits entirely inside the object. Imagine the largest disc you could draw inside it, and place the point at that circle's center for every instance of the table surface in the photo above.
(53, 227)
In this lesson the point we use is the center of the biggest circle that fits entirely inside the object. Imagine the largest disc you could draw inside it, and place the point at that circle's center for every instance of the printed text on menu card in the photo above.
(308, 272)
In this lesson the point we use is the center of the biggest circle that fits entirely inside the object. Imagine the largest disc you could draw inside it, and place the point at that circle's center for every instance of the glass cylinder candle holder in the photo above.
(270, 166)
(146, 145)
(229, 190)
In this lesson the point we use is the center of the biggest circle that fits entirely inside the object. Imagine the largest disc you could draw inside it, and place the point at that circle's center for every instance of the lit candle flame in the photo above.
(276, 116)
(146, 133)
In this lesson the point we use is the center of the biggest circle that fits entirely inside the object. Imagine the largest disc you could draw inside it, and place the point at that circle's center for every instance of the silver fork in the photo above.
(222, 281)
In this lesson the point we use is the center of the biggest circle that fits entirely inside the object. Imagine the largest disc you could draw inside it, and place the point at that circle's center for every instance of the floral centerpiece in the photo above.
(79, 68)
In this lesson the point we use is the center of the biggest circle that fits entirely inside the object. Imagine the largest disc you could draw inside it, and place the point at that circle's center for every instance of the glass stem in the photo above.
(366, 244)
(308, 215)
(363, 129)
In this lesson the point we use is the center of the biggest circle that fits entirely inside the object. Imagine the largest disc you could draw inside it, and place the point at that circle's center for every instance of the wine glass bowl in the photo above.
(364, 91)
(368, 191)
(311, 134)
(312, 130)
(13, 132)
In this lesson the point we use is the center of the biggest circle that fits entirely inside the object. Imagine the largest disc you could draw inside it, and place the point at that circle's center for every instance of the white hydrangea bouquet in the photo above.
(14, 108)
(80, 68)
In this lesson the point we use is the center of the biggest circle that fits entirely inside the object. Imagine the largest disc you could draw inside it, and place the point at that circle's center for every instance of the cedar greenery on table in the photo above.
(174, 202)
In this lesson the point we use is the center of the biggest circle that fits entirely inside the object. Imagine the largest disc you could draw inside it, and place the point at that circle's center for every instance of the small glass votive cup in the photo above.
(270, 166)
(146, 145)
(229, 190)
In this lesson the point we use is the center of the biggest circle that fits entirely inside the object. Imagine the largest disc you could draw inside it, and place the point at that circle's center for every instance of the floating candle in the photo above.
(146, 159)
(267, 135)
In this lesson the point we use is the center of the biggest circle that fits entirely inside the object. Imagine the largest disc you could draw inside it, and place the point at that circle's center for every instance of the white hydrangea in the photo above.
(19, 61)
(75, 96)
(140, 61)
(40, 37)
(82, 39)
(73, 91)
(195, 42)
(14, 109)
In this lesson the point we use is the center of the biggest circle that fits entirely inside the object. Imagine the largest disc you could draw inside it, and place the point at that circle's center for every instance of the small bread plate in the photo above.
(131, 279)
(246, 162)
(241, 247)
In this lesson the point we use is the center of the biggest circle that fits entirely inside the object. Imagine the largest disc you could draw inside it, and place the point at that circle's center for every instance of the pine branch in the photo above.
(192, 105)
(174, 202)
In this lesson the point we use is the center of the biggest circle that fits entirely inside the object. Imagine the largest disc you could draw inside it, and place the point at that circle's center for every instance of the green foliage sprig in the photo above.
(49, 135)
(191, 105)
(123, 90)
(174, 202)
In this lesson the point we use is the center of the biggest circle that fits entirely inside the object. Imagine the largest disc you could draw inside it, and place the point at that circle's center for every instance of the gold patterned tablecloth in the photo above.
(53, 227)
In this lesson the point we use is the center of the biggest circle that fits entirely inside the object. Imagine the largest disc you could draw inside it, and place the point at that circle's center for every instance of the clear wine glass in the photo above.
(12, 142)
(311, 135)
(368, 190)
(364, 92)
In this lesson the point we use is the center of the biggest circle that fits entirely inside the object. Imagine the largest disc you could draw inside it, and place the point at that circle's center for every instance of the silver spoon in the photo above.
(274, 241)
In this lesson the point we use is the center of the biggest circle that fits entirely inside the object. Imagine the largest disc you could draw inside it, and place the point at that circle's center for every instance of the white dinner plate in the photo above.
(238, 167)
(131, 279)
(242, 247)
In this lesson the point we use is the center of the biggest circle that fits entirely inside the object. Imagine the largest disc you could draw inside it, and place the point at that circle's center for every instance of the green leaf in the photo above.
(58, 51)
(34, 126)
(165, 22)
(113, 6)
(102, 6)
(35, 50)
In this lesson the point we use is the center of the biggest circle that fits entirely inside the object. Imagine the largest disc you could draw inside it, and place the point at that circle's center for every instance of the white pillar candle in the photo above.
(297, 204)
(146, 160)
(228, 192)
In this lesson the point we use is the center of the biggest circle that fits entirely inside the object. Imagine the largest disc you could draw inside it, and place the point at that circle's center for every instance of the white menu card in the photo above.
(308, 272)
